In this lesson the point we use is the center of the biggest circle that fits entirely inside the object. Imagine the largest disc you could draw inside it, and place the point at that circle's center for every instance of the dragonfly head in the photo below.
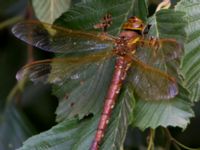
(134, 24)
(129, 36)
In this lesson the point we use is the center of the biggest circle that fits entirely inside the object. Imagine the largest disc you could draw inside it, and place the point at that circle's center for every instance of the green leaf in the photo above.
(191, 65)
(175, 112)
(75, 134)
(86, 95)
(14, 128)
(89, 92)
(168, 24)
(68, 135)
(84, 16)
(48, 11)
(178, 111)
(141, 9)
(120, 119)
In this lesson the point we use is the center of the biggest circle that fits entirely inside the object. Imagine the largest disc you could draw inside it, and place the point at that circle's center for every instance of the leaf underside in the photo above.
(75, 134)
(48, 11)
(190, 68)
(176, 111)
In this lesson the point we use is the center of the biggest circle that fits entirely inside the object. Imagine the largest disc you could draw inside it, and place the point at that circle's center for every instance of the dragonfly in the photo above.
(138, 60)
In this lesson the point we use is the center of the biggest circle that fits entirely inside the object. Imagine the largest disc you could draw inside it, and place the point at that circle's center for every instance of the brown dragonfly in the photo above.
(143, 59)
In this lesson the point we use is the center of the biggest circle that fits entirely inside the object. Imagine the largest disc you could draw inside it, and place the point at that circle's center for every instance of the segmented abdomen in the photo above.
(121, 67)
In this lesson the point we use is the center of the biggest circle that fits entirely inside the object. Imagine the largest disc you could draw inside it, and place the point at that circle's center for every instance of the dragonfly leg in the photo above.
(105, 23)
(154, 42)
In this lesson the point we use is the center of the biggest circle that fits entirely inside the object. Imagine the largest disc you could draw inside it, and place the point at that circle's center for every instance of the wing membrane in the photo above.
(59, 69)
(157, 53)
(57, 39)
(151, 83)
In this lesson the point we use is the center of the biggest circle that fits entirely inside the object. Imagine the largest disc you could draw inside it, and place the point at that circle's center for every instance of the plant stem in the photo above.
(10, 21)
(177, 143)
(18, 88)
(183, 146)
(151, 140)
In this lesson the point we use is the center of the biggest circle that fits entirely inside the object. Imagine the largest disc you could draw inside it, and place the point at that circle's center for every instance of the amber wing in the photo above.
(158, 52)
(59, 69)
(59, 40)
(151, 83)
(149, 75)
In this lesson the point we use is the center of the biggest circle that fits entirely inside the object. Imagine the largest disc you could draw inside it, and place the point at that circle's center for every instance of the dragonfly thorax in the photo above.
(126, 43)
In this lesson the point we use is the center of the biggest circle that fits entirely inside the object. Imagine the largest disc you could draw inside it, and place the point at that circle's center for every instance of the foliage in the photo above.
(190, 64)
(52, 9)
(14, 121)
(81, 101)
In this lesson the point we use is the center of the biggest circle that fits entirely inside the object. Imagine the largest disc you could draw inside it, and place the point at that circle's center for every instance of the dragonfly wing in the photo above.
(57, 39)
(78, 81)
(37, 71)
(170, 49)
(59, 69)
(151, 83)
(158, 52)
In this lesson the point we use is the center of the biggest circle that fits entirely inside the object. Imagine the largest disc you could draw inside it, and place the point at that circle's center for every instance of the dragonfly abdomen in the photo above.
(121, 67)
